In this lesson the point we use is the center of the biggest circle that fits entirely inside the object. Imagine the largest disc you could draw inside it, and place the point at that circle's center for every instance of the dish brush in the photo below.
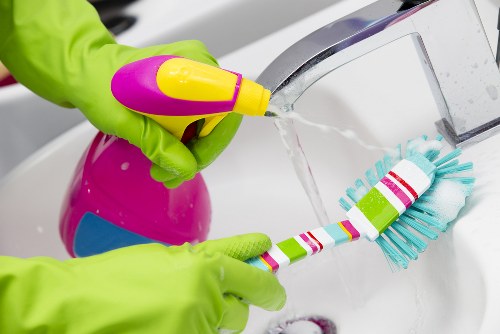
(404, 197)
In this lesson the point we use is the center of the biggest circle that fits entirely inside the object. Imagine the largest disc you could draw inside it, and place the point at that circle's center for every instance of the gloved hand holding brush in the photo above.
(62, 52)
(139, 289)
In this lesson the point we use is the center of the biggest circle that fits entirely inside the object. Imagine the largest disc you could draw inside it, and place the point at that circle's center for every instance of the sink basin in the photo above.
(452, 288)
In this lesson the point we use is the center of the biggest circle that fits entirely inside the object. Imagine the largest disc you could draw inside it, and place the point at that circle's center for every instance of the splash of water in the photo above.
(346, 133)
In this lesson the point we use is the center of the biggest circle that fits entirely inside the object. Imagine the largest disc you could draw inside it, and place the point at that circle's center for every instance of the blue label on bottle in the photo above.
(96, 235)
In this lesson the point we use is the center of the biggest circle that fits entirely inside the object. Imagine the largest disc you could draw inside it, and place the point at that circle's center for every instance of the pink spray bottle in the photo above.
(112, 201)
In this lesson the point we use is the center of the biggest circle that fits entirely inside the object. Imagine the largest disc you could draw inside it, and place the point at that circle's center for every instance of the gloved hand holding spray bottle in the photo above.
(187, 98)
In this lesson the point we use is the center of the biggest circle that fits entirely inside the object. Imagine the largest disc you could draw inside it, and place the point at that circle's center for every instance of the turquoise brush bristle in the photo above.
(431, 213)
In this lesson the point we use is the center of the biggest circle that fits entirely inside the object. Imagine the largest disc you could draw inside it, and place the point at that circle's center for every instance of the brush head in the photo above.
(407, 196)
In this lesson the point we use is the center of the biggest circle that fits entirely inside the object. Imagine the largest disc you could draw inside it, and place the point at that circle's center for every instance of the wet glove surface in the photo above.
(140, 289)
(61, 51)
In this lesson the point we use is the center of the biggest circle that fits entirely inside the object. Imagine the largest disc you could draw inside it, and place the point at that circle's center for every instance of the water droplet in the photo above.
(492, 92)
(124, 166)
(39, 229)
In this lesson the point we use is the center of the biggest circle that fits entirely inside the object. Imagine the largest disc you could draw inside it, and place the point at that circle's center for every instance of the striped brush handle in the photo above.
(368, 218)
(304, 245)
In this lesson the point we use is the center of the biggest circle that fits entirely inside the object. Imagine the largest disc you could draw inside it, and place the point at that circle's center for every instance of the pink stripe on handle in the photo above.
(309, 233)
(311, 244)
(406, 185)
(269, 259)
(397, 191)
(348, 226)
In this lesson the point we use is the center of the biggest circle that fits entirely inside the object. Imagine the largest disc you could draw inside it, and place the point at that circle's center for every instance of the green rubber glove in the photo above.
(139, 289)
(61, 51)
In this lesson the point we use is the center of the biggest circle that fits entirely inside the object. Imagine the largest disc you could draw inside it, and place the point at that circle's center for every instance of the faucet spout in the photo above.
(449, 39)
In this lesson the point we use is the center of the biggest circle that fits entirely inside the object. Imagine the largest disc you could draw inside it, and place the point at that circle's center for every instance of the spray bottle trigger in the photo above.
(210, 123)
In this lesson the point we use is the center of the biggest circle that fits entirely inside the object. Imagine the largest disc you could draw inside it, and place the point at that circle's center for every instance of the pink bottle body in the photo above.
(113, 202)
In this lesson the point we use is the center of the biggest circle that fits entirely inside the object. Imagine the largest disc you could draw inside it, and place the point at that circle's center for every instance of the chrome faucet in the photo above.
(451, 44)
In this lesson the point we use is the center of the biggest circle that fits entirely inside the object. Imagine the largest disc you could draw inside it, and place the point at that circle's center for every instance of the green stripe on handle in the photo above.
(378, 210)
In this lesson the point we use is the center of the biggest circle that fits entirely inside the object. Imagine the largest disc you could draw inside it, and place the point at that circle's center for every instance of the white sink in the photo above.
(452, 288)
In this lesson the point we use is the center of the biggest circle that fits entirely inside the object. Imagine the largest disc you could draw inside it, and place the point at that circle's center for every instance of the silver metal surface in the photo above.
(449, 39)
